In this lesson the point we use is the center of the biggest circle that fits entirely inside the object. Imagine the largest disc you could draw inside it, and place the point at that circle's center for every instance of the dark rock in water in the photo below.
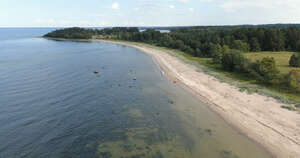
(127, 147)
(139, 148)
(170, 101)
(209, 131)
(134, 156)
(105, 154)
(227, 154)
(158, 154)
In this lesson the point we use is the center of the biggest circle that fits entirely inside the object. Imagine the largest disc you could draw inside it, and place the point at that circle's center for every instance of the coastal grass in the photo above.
(281, 58)
(291, 108)
(244, 82)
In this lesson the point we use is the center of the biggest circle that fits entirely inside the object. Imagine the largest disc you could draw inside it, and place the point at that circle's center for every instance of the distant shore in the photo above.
(260, 118)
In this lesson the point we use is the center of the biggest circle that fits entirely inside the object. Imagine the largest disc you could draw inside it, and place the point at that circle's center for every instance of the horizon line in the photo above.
(2, 27)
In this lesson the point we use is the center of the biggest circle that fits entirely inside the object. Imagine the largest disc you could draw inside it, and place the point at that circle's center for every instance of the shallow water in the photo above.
(52, 105)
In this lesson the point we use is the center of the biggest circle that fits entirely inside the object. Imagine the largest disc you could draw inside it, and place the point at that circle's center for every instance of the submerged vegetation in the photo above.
(270, 62)
(227, 154)
(143, 142)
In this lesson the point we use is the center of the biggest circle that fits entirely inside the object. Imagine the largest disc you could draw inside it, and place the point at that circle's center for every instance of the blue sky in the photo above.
(66, 13)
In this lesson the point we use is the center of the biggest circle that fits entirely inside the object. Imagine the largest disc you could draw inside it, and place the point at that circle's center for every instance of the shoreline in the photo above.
(258, 117)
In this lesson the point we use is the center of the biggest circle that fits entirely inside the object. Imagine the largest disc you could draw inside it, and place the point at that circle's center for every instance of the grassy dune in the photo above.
(246, 83)
(282, 59)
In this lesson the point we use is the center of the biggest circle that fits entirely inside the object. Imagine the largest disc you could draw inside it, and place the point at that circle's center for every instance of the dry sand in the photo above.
(261, 118)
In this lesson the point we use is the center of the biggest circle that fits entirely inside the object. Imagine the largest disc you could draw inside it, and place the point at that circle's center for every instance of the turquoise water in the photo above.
(53, 105)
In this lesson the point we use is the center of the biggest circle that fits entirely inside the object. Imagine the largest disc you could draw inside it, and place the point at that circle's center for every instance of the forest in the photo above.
(226, 45)
(200, 42)
(72, 33)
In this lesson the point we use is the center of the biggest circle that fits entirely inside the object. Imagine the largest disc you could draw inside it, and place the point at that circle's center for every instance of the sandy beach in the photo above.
(260, 118)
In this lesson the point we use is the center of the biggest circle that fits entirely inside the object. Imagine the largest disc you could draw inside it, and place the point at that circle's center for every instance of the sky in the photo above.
(103, 13)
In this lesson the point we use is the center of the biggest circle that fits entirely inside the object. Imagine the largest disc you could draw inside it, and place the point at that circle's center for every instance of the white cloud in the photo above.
(115, 6)
(45, 21)
(208, 1)
(256, 11)
(98, 15)
(171, 6)
(231, 11)
(183, 1)
(70, 22)
(235, 5)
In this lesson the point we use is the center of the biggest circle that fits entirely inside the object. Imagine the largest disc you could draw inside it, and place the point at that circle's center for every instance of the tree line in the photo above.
(73, 33)
(200, 42)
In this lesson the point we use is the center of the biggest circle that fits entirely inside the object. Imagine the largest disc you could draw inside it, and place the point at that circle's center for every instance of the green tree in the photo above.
(254, 45)
(295, 60)
(240, 45)
(298, 46)
(188, 49)
(198, 52)
(235, 61)
(225, 49)
(293, 80)
(178, 44)
(265, 70)
(216, 53)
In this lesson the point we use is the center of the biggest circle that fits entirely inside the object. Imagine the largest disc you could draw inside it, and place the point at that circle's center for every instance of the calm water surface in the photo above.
(52, 105)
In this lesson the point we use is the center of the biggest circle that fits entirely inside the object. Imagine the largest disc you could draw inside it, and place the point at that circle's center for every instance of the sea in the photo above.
(54, 105)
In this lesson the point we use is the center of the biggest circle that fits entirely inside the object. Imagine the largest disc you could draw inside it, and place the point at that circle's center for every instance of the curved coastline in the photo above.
(258, 117)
